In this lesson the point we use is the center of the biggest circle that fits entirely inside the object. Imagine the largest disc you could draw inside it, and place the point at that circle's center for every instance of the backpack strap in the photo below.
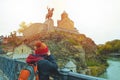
(35, 71)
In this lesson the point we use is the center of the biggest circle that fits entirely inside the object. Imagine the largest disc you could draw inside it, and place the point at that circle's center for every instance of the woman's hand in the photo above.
(48, 53)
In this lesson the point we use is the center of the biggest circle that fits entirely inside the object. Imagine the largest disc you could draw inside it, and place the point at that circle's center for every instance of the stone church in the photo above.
(66, 24)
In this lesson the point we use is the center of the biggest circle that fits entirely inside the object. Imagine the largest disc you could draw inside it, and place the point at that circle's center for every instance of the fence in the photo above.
(12, 67)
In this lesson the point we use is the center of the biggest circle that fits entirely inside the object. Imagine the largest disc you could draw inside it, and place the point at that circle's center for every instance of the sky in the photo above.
(97, 19)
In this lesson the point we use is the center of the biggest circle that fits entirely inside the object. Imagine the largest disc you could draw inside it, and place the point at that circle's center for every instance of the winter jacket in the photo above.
(46, 65)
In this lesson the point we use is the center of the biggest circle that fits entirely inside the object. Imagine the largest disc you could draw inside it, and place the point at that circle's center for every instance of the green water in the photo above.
(113, 71)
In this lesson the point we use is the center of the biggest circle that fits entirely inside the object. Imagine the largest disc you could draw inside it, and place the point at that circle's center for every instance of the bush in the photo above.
(97, 70)
(92, 62)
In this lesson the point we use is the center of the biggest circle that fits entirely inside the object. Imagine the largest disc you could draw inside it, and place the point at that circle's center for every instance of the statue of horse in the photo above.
(50, 13)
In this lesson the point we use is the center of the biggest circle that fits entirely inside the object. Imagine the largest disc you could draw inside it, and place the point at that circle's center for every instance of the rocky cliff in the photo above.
(67, 46)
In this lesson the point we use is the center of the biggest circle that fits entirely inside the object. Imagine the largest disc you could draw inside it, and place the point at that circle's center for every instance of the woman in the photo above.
(45, 61)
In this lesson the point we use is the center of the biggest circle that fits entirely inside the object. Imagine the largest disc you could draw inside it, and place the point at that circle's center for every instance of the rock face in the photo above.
(66, 46)
(89, 46)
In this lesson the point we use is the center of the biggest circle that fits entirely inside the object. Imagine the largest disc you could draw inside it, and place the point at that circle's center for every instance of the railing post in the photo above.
(64, 73)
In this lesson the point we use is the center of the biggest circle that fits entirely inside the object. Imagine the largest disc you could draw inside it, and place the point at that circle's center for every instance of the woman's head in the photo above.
(38, 44)
(41, 48)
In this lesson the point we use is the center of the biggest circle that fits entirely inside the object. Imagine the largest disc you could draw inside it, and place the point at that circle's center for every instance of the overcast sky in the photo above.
(97, 19)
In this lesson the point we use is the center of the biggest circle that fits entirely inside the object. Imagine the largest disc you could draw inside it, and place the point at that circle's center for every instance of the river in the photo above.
(113, 70)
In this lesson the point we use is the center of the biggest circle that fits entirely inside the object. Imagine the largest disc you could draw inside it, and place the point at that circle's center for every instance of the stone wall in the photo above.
(65, 30)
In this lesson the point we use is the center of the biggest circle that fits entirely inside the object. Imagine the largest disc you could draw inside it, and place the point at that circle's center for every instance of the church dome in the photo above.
(64, 15)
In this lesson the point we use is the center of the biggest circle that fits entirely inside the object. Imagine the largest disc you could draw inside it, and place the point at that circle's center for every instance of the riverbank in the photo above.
(97, 66)
(97, 70)
(113, 70)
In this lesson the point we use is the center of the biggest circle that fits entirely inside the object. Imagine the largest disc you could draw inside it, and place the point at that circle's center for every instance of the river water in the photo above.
(113, 71)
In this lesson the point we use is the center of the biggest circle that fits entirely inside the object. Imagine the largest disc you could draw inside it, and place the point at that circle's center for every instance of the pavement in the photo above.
(2, 76)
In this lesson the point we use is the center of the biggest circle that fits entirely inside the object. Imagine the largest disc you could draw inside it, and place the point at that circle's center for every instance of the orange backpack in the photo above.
(25, 73)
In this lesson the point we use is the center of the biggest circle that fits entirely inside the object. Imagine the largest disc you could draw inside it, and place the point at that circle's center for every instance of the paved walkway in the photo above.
(2, 76)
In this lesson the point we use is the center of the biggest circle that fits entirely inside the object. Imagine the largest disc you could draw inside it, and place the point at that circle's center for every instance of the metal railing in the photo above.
(11, 69)
(66, 74)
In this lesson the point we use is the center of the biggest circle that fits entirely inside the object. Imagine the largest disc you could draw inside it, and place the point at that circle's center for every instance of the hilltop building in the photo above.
(65, 24)
(36, 29)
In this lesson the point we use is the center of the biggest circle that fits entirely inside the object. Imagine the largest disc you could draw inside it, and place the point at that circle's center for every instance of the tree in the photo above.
(110, 47)
(23, 26)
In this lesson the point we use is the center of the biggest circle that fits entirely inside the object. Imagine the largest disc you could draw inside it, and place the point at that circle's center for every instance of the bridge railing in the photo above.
(66, 74)
(11, 69)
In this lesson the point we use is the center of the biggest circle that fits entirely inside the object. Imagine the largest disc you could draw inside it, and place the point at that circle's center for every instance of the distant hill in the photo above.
(109, 47)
